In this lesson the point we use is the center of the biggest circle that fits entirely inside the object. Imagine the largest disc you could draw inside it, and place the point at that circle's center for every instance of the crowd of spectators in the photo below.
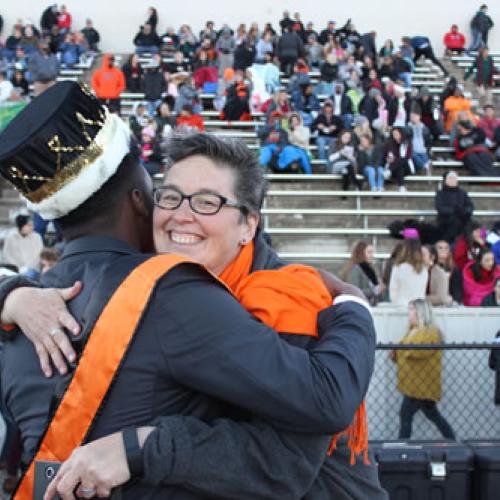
(35, 54)
(455, 263)
(353, 103)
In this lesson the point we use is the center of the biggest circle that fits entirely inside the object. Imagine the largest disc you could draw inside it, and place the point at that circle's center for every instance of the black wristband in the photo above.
(133, 452)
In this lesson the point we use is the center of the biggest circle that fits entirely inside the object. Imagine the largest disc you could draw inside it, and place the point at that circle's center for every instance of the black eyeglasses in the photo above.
(204, 203)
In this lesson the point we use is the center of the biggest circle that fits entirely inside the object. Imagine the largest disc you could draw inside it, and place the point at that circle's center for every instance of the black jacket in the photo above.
(368, 43)
(48, 19)
(328, 71)
(392, 109)
(490, 300)
(149, 40)
(153, 84)
(92, 37)
(345, 104)
(169, 369)
(453, 202)
(369, 107)
(373, 159)
(290, 45)
(232, 460)
(243, 57)
(494, 364)
(321, 119)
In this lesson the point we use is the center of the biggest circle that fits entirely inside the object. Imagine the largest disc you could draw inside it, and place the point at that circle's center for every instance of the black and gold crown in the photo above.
(55, 151)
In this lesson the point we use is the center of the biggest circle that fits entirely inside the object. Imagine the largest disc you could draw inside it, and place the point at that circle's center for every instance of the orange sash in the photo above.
(106, 348)
(289, 300)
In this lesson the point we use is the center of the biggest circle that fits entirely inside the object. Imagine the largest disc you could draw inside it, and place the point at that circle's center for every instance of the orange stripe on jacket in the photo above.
(289, 300)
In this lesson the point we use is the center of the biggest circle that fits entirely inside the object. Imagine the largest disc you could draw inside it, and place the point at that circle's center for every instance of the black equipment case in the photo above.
(420, 470)
(486, 477)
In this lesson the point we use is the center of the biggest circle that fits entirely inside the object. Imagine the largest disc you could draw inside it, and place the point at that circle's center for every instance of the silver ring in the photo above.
(55, 331)
(88, 491)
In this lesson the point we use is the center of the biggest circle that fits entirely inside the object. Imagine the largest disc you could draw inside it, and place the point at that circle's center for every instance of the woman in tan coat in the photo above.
(419, 371)
(439, 281)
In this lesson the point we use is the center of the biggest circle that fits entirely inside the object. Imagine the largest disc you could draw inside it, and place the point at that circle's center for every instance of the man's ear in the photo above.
(142, 205)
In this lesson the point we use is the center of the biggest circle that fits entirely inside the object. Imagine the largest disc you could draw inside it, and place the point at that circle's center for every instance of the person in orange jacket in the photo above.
(454, 41)
(108, 82)
(453, 105)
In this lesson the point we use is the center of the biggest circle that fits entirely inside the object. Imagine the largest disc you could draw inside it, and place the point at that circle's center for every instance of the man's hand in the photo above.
(96, 468)
(42, 315)
(338, 287)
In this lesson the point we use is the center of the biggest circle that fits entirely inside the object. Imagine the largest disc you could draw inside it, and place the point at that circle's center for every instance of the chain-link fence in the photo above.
(431, 391)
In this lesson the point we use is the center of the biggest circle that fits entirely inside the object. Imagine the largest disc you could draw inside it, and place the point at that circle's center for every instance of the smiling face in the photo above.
(488, 261)
(443, 250)
(213, 240)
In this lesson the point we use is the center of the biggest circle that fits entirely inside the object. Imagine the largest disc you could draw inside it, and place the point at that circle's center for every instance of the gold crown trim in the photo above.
(62, 177)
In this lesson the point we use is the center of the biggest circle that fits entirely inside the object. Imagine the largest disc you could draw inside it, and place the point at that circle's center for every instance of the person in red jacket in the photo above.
(189, 121)
(64, 20)
(108, 83)
(454, 41)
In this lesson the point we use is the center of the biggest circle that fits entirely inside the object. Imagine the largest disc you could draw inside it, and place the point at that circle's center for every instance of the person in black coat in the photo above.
(91, 35)
(368, 42)
(426, 105)
(49, 19)
(287, 22)
(290, 48)
(154, 85)
(454, 207)
(152, 18)
(244, 55)
(494, 364)
(132, 70)
(493, 299)
(329, 30)
(146, 40)
(471, 149)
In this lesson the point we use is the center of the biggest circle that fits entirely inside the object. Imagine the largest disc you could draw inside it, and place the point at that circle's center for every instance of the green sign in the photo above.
(8, 110)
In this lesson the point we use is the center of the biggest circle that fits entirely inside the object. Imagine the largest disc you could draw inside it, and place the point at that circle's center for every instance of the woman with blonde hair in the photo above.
(419, 371)
(409, 275)
(360, 271)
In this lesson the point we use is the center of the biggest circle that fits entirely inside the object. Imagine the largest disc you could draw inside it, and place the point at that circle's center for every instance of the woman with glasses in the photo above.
(208, 208)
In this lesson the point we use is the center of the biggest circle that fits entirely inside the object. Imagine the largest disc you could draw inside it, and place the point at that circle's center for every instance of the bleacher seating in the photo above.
(309, 217)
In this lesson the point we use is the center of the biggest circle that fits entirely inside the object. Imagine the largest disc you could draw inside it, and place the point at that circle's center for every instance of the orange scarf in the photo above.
(289, 300)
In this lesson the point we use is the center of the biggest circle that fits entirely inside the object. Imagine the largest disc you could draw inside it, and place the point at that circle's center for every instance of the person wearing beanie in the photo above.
(426, 106)
(454, 208)
(22, 246)
(101, 197)
(151, 157)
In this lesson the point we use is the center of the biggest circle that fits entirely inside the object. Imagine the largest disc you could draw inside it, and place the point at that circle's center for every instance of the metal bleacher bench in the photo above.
(411, 178)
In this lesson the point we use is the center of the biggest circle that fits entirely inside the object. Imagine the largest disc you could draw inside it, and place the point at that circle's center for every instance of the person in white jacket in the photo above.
(409, 275)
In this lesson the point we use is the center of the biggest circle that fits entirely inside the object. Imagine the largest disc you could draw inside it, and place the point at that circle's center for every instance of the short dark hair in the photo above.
(105, 202)
(233, 154)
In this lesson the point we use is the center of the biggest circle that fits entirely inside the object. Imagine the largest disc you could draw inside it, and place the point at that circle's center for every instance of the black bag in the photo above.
(425, 470)
(486, 478)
